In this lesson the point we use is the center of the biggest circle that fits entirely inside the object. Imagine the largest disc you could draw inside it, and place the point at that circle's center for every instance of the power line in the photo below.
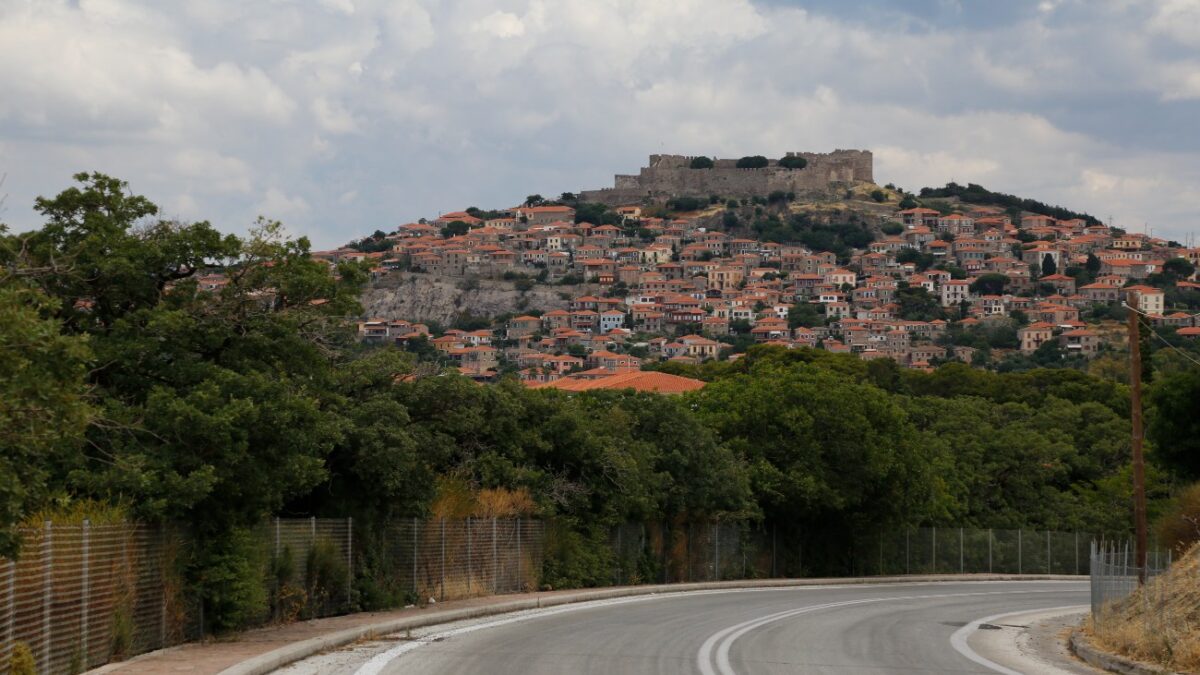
(1167, 343)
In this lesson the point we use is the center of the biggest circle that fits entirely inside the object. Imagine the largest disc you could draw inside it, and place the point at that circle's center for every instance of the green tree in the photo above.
(989, 284)
(916, 304)
(455, 228)
(805, 314)
(793, 162)
(44, 409)
(1048, 265)
(1174, 428)
(879, 195)
(753, 162)
(701, 162)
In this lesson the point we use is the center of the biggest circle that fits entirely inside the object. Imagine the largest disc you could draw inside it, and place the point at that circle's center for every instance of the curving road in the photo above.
(885, 628)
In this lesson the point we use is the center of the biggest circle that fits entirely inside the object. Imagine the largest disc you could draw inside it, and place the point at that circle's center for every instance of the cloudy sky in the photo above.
(342, 116)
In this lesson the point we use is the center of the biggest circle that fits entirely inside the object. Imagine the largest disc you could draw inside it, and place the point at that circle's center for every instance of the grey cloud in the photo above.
(350, 115)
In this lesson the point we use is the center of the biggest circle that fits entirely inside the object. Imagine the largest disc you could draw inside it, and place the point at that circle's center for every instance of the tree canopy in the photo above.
(753, 162)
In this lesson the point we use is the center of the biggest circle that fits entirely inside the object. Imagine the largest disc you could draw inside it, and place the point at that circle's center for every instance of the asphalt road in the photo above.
(892, 628)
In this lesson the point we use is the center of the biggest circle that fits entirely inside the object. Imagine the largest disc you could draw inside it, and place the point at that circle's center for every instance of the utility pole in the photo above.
(1139, 466)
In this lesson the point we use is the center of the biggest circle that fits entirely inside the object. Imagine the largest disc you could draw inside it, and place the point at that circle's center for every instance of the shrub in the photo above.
(793, 162)
(753, 162)
(1179, 527)
(879, 195)
(326, 578)
(121, 641)
(687, 204)
(892, 229)
(701, 162)
(232, 574)
(22, 661)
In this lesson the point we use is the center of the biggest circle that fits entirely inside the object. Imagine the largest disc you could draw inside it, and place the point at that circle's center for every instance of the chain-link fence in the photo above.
(450, 559)
(956, 550)
(1115, 576)
(662, 553)
(82, 595)
(665, 553)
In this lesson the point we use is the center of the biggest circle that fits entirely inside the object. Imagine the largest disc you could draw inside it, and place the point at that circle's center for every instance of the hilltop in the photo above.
(553, 287)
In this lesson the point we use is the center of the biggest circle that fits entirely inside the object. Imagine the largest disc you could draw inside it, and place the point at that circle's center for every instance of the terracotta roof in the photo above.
(638, 380)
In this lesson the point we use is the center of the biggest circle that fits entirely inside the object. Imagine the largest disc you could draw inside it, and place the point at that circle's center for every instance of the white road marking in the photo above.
(377, 663)
(723, 640)
(960, 637)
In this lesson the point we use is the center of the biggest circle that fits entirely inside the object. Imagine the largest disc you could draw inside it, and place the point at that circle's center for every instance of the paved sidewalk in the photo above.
(255, 646)
(216, 655)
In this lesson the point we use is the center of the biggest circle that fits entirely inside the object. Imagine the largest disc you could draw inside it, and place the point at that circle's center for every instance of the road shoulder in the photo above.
(1033, 642)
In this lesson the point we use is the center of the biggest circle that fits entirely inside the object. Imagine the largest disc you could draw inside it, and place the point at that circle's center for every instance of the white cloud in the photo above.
(342, 115)
(278, 205)
(333, 116)
(1177, 19)
(500, 24)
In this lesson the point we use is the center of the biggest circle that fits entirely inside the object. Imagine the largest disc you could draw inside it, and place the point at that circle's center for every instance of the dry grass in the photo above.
(1159, 623)
(457, 499)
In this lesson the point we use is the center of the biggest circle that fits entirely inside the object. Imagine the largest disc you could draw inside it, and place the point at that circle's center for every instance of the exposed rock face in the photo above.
(426, 297)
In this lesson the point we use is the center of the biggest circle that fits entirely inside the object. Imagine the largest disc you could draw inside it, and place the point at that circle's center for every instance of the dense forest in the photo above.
(125, 384)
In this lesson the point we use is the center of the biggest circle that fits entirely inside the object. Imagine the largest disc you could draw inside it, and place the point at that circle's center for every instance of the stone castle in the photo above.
(671, 176)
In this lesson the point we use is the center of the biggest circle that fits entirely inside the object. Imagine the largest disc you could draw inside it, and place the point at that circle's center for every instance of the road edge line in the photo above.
(296, 651)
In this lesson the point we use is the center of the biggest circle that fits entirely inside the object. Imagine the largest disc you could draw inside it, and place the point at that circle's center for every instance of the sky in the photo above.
(340, 117)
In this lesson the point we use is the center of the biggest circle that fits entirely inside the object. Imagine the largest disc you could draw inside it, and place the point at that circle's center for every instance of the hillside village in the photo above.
(693, 279)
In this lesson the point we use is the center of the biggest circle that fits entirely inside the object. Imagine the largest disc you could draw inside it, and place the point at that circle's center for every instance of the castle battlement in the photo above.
(667, 176)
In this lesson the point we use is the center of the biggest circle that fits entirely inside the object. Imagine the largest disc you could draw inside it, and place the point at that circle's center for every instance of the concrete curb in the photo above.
(283, 656)
(1084, 649)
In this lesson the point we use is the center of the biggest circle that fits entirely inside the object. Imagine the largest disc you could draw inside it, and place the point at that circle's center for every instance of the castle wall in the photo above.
(670, 176)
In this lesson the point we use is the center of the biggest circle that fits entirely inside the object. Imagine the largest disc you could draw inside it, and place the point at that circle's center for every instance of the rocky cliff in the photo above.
(425, 297)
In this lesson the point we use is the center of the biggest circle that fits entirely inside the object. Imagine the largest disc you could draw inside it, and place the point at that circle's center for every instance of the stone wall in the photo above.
(669, 176)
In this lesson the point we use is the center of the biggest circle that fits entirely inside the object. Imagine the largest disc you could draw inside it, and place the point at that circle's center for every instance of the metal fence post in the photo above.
(349, 558)
(85, 532)
(1020, 566)
(617, 558)
(12, 591)
(162, 614)
(443, 589)
(47, 592)
(495, 561)
(1048, 552)
(960, 551)
(774, 569)
(277, 551)
(519, 559)
(906, 567)
(468, 555)
(12, 606)
(933, 550)
(1076, 551)
(989, 550)
(717, 551)
(414, 555)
